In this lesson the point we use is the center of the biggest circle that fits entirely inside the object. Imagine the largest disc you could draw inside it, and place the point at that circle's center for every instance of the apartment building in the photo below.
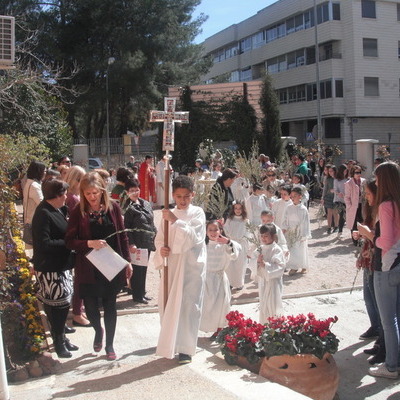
(358, 69)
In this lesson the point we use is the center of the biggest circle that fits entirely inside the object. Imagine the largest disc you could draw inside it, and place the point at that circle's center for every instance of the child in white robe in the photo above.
(298, 180)
(217, 294)
(270, 268)
(235, 229)
(267, 217)
(186, 256)
(256, 203)
(296, 228)
(280, 206)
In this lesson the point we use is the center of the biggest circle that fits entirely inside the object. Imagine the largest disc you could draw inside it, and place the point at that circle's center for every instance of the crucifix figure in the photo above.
(169, 117)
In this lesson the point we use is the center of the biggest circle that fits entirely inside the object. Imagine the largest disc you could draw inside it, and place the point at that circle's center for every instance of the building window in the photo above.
(368, 9)
(245, 74)
(231, 51)
(245, 45)
(323, 13)
(272, 34)
(398, 12)
(282, 96)
(234, 76)
(398, 48)
(291, 60)
(258, 39)
(339, 87)
(299, 22)
(290, 27)
(371, 86)
(311, 92)
(332, 128)
(325, 89)
(310, 55)
(370, 47)
(301, 93)
(219, 56)
(281, 28)
(336, 11)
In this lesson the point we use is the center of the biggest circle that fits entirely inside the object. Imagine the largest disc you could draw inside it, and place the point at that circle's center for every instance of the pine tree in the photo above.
(271, 143)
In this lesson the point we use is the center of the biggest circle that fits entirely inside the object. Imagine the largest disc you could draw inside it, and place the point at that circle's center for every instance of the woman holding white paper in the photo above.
(95, 224)
(139, 217)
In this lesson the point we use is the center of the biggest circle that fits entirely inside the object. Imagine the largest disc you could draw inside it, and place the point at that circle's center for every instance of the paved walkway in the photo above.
(139, 374)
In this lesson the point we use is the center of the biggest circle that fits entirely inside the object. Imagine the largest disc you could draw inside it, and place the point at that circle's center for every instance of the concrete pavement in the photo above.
(139, 374)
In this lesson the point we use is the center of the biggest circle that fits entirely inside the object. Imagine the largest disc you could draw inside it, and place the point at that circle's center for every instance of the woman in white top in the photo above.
(32, 192)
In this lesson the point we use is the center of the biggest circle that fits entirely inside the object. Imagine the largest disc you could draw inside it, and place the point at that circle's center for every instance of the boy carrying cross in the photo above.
(187, 256)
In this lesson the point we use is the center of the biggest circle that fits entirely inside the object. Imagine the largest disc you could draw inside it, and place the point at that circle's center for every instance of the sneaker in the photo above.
(370, 333)
(334, 230)
(339, 235)
(293, 272)
(378, 358)
(184, 358)
(329, 231)
(382, 372)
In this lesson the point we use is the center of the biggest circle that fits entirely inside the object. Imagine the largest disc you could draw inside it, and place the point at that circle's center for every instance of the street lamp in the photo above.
(109, 62)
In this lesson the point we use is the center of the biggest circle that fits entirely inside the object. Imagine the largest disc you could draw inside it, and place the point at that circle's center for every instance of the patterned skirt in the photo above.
(55, 288)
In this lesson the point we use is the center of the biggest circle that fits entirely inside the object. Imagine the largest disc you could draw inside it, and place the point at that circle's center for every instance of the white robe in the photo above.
(235, 228)
(254, 206)
(270, 284)
(279, 209)
(160, 181)
(297, 219)
(240, 189)
(186, 276)
(217, 294)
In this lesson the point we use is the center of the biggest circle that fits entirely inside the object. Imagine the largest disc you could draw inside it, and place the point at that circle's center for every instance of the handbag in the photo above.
(27, 230)
(27, 234)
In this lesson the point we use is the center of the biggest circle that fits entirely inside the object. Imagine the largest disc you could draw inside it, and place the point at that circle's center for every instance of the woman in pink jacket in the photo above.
(353, 189)
(386, 263)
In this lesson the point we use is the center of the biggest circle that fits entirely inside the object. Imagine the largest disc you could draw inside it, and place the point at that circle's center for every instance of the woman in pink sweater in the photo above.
(386, 262)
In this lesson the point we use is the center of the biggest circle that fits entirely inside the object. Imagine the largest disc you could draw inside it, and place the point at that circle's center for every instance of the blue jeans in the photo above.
(387, 292)
(370, 301)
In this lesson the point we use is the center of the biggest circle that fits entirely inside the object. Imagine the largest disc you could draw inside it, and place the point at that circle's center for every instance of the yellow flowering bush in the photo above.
(24, 333)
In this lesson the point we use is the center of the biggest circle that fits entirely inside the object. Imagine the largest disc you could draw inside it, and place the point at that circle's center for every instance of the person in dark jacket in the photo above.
(139, 216)
(221, 197)
(95, 224)
(53, 261)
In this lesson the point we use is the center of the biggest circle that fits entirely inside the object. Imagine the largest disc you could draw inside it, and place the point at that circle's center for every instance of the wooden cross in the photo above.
(169, 117)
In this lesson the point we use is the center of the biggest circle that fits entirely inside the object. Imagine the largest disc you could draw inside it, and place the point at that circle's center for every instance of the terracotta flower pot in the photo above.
(304, 373)
(243, 363)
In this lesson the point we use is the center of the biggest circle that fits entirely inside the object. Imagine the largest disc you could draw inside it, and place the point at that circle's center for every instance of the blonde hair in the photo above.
(73, 178)
(93, 180)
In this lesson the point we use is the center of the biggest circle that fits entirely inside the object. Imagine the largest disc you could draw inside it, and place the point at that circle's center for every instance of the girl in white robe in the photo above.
(280, 206)
(256, 203)
(270, 269)
(296, 228)
(235, 229)
(217, 294)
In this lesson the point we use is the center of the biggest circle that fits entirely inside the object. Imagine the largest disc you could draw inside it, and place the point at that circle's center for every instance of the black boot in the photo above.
(60, 348)
(70, 346)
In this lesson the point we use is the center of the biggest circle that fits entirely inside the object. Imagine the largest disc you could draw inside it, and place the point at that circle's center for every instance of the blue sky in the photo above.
(223, 13)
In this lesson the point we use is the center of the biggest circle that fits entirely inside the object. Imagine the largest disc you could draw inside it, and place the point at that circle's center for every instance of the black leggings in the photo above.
(110, 316)
(57, 317)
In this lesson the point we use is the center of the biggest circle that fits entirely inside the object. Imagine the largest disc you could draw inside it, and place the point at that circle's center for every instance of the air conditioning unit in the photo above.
(7, 42)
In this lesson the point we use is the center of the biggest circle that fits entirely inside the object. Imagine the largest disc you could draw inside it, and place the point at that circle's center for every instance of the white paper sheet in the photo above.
(141, 257)
(107, 261)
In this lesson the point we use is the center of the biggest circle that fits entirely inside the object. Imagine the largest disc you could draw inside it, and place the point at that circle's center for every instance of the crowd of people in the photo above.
(261, 225)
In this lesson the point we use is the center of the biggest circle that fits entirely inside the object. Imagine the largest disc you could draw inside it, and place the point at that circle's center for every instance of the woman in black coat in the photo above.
(221, 197)
(53, 261)
(139, 216)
